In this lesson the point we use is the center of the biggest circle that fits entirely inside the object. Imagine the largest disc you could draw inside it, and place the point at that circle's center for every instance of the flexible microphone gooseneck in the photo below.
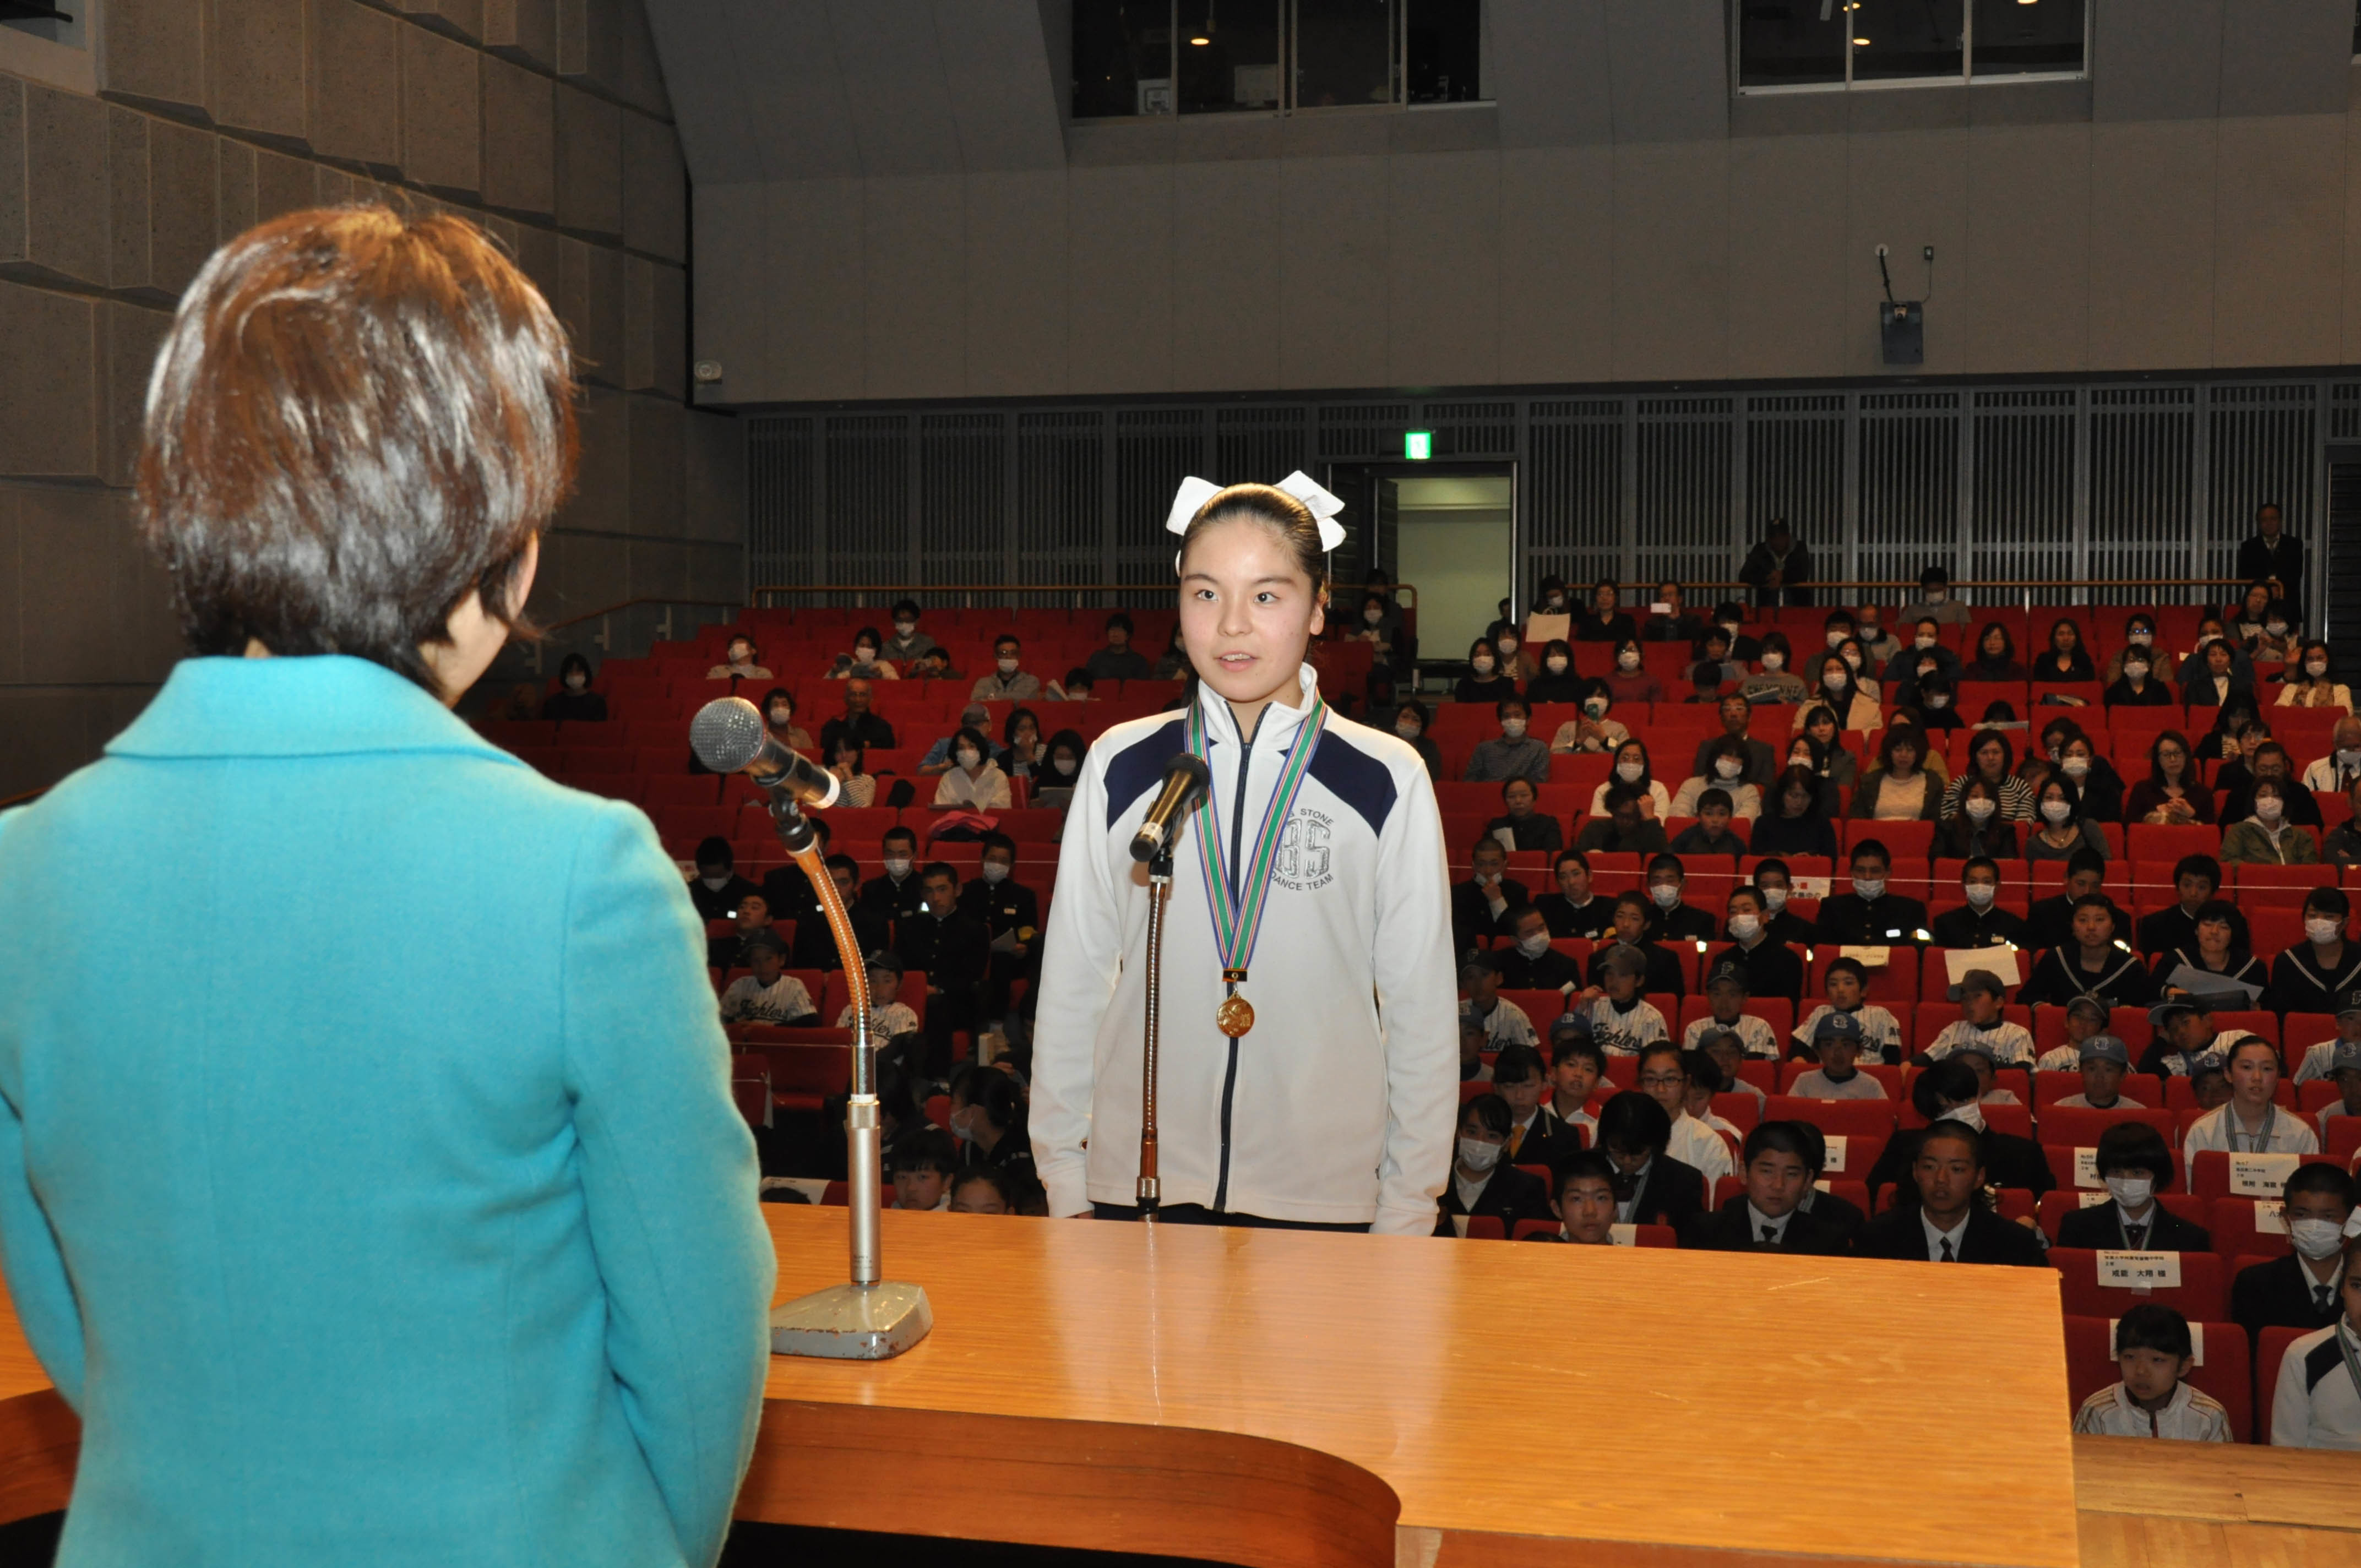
(1184, 785)
(729, 736)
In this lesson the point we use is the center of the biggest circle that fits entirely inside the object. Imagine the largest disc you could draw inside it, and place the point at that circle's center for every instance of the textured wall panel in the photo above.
(441, 127)
(49, 384)
(54, 195)
(523, 31)
(589, 164)
(255, 57)
(520, 140)
(655, 189)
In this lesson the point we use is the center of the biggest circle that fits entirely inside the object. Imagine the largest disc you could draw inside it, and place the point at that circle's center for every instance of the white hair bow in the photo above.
(1195, 493)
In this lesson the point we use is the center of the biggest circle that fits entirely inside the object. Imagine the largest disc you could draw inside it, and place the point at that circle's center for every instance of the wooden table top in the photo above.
(1707, 1400)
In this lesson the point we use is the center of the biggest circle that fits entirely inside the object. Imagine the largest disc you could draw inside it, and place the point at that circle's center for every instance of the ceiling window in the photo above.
(1226, 57)
(1817, 45)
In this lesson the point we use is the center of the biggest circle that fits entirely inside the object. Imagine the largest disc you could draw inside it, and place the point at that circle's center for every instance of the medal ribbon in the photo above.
(1238, 919)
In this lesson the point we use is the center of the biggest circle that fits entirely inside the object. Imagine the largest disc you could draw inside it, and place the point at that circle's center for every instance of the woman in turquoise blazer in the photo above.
(370, 1180)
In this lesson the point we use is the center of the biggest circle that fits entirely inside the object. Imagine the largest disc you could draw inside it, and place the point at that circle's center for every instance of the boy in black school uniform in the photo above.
(2198, 880)
(1979, 921)
(717, 887)
(1672, 920)
(1775, 1168)
(1483, 1183)
(789, 892)
(2050, 922)
(1574, 910)
(1781, 923)
(2299, 1291)
(816, 938)
(1519, 1078)
(1948, 1223)
(1651, 1187)
(1838, 1213)
(1664, 975)
(1772, 969)
(1577, 1064)
(1948, 1091)
(952, 950)
(2136, 1166)
(1584, 1202)
(1011, 912)
(1868, 915)
(1710, 834)
(1480, 905)
(1532, 964)
(900, 893)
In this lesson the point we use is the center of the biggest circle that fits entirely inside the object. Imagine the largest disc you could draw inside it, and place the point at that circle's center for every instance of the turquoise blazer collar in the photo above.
(331, 704)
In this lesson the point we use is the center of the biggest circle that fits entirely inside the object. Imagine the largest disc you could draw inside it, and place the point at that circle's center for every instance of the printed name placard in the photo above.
(1868, 957)
(1825, 1184)
(2196, 1341)
(1808, 886)
(2092, 1199)
(1624, 1235)
(1836, 1143)
(2260, 1175)
(2001, 961)
(2086, 1167)
(2140, 1270)
(2271, 1217)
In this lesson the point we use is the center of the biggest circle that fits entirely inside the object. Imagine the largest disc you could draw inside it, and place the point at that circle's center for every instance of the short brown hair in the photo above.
(357, 419)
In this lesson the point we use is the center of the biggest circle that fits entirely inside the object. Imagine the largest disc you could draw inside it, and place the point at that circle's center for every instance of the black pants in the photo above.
(1198, 1214)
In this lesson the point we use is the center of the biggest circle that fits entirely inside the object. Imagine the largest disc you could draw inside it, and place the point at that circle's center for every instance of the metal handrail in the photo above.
(626, 604)
(937, 590)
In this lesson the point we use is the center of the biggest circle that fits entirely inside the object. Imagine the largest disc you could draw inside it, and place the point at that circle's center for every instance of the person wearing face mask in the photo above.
(2316, 1402)
(1594, 731)
(1979, 921)
(1517, 661)
(1936, 601)
(1992, 759)
(2340, 770)
(1053, 782)
(1761, 760)
(1483, 681)
(1512, 753)
(1629, 682)
(1711, 663)
(1552, 599)
(1978, 830)
(1669, 919)
(1603, 618)
(1411, 720)
(2267, 838)
(864, 661)
(1868, 914)
(717, 887)
(2309, 683)
(1532, 964)
(1557, 682)
(2276, 641)
(815, 946)
(779, 717)
(1923, 656)
(1841, 695)
(1669, 619)
(1008, 682)
(2134, 1166)
(1023, 753)
(1011, 912)
(896, 894)
(2134, 682)
(1775, 681)
(1483, 1183)
(953, 951)
(740, 663)
(937, 758)
(2061, 830)
(1724, 763)
(988, 1118)
(907, 642)
(1632, 771)
(1659, 974)
(975, 781)
(574, 701)
(1768, 966)
(2298, 1290)
(1780, 923)
(2315, 975)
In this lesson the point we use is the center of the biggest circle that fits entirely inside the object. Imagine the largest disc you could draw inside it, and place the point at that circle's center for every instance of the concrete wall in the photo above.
(1618, 214)
(123, 165)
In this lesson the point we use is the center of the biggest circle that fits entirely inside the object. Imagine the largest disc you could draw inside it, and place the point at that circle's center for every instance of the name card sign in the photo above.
(1836, 1143)
(2086, 1167)
(2093, 1199)
(1541, 629)
(2196, 1341)
(2271, 1217)
(1623, 1236)
(2141, 1271)
(1808, 886)
(2260, 1175)
(2006, 962)
(1868, 957)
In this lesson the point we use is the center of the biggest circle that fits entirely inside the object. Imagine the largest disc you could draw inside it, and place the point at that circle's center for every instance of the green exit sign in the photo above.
(1417, 446)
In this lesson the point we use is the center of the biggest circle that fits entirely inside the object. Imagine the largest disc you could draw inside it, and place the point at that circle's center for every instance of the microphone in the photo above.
(1185, 785)
(728, 736)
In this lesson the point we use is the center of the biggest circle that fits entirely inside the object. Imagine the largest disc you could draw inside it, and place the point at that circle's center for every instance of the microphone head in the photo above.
(727, 734)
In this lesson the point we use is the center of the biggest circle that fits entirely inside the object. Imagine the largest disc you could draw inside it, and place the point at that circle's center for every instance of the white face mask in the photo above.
(1534, 945)
(969, 756)
(1063, 764)
(2131, 1191)
(2276, 627)
(2316, 668)
(1556, 666)
(1980, 894)
(1923, 642)
(1980, 809)
(715, 883)
(2134, 672)
(1372, 615)
(1869, 887)
(1745, 927)
(1481, 663)
(1971, 1116)
(2055, 810)
(1852, 661)
(1514, 729)
(1628, 771)
(1727, 767)
(1556, 603)
(1938, 701)
(1774, 899)
(2320, 932)
(1627, 660)
(1478, 1155)
(1773, 661)
(996, 871)
(741, 655)
(576, 681)
(2075, 767)
(904, 628)
(897, 866)
(2269, 808)
(1508, 647)
(1870, 633)
(1666, 894)
(2347, 757)
(1935, 595)
(864, 654)
(1407, 729)
(2316, 1239)
(781, 716)
(1007, 666)
(1835, 638)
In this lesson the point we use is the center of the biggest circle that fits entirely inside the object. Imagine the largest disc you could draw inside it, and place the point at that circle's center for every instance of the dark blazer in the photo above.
(1008, 906)
(2276, 1295)
(1548, 973)
(2176, 927)
(2101, 1228)
(952, 952)
(873, 733)
(882, 897)
(1839, 1214)
(2009, 1161)
(1898, 1234)
(1963, 927)
(2259, 561)
(1848, 917)
(1566, 920)
(1552, 1142)
(1772, 968)
(814, 945)
(1728, 1230)
(1471, 913)
(1509, 1196)
(1681, 923)
(1672, 1195)
(1795, 575)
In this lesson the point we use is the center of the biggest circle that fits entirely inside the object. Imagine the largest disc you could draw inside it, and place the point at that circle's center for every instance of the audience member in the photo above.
(1671, 920)
(2103, 1060)
(1409, 723)
(1023, 753)
(1776, 1169)
(815, 940)
(1723, 762)
(2062, 830)
(2049, 922)
(856, 722)
(2317, 1403)
(1996, 658)
(1623, 1021)
(1797, 822)
(2318, 1061)
(975, 781)
(921, 1171)
(1711, 833)
(1836, 1038)
(986, 1189)
(1585, 1200)
(1627, 827)
(2313, 975)
(2268, 763)
(2095, 963)
(1726, 997)
(1877, 1031)
(2252, 1123)
(865, 660)
(2273, 557)
(1482, 1182)
(769, 994)
(1504, 1023)
(2197, 881)
(1011, 912)
(2135, 1165)
(897, 894)
(1119, 661)
(1483, 681)
(1512, 753)
(855, 789)
(2183, 1036)
(1948, 1223)
(952, 950)
(1652, 1188)
(2065, 660)
(717, 887)
(1992, 759)
(1481, 906)
(1760, 761)
(1776, 681)
(1603, 618)
(1935, 601)
(1980, 1024)
(1769, 967)
(1577, 1064)
(1558, 681)
(1519, 1078)
(1574, 910)
(1008, 682)
(740, 663)
(749, 923)
(2308, 684)
(1594, 731)
(2154, 1352)
(1868, 914)
(2299, 1290)
(1978, 921)
(1173, 665)
(574, 702)
(1779, 569)
(1781, 923)
(2215, 964)
(1532, 964)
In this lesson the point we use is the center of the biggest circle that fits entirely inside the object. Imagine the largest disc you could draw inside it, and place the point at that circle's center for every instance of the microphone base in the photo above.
(852, 1323)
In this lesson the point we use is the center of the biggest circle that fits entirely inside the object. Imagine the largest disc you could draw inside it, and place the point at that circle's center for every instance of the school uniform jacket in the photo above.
(1672, 1193)
(2316, 1404)
(1340, 1105)
(2101, 1228)
(2299, 984)
(2278, 1295)
(1900, 1233)
(2059, 977)
(1508, 1195)
(1729, 1229)
(1551, 1140)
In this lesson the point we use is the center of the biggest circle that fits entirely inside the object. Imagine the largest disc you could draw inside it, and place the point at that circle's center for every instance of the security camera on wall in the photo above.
(1902, 324)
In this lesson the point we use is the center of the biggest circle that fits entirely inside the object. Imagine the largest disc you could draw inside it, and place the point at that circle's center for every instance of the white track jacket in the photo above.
(1341, 1105)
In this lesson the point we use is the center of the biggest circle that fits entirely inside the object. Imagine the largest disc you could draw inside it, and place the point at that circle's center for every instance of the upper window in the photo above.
(1214, 57)
(1823, 44)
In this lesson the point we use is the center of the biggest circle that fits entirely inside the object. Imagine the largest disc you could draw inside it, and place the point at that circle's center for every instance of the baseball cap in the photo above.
(1975, 1048)
(764, 941)
(2352, 1004)
(2090, 1004)
(2190, 1002)
(2345, 1057)
(1570, 1026)
(1624, 958)
(883, 958)
(1481, 962)
(1981, 980)
(1835, 1025)
(2105, 1047)
(1730, 971)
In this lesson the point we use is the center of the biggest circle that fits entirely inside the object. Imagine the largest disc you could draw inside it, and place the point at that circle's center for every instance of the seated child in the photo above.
(887, 1016)
(1621, 1020)
(2344, 1067)
(769, 995)
(2085, 1016)
(2318, 1404)
(1725, 991)
(2316, 1058)
(1710, 834)
(1472, 1047)
(922, 1169)
(1728, 1051)
(1504, 1023)
(1848, 983)
(2104, 1061)
(1980, 1024)
(1577, 1064)
(1585, 1201)
(2153, 1351)
(1837, 1040)
(986, 1189)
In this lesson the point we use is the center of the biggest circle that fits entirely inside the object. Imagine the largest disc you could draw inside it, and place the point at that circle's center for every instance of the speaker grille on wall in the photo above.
(1902, 332)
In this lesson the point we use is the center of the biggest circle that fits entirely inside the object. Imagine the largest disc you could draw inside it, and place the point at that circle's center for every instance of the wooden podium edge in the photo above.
(40, 1437)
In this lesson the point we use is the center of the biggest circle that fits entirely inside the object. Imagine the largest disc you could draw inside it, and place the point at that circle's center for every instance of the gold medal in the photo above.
(1234, 1017)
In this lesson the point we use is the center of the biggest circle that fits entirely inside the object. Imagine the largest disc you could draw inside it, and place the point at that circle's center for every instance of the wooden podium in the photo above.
(1278, 1398)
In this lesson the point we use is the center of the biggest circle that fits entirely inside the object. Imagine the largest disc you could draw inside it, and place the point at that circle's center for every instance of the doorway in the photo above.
(1449, 528)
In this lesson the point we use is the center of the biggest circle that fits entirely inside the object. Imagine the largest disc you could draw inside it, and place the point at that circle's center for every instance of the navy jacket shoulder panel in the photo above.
(1138, 768)
(1355, 777)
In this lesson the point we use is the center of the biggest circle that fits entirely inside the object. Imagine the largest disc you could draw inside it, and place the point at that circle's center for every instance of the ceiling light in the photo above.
(1860, 43)
(1200, 41)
